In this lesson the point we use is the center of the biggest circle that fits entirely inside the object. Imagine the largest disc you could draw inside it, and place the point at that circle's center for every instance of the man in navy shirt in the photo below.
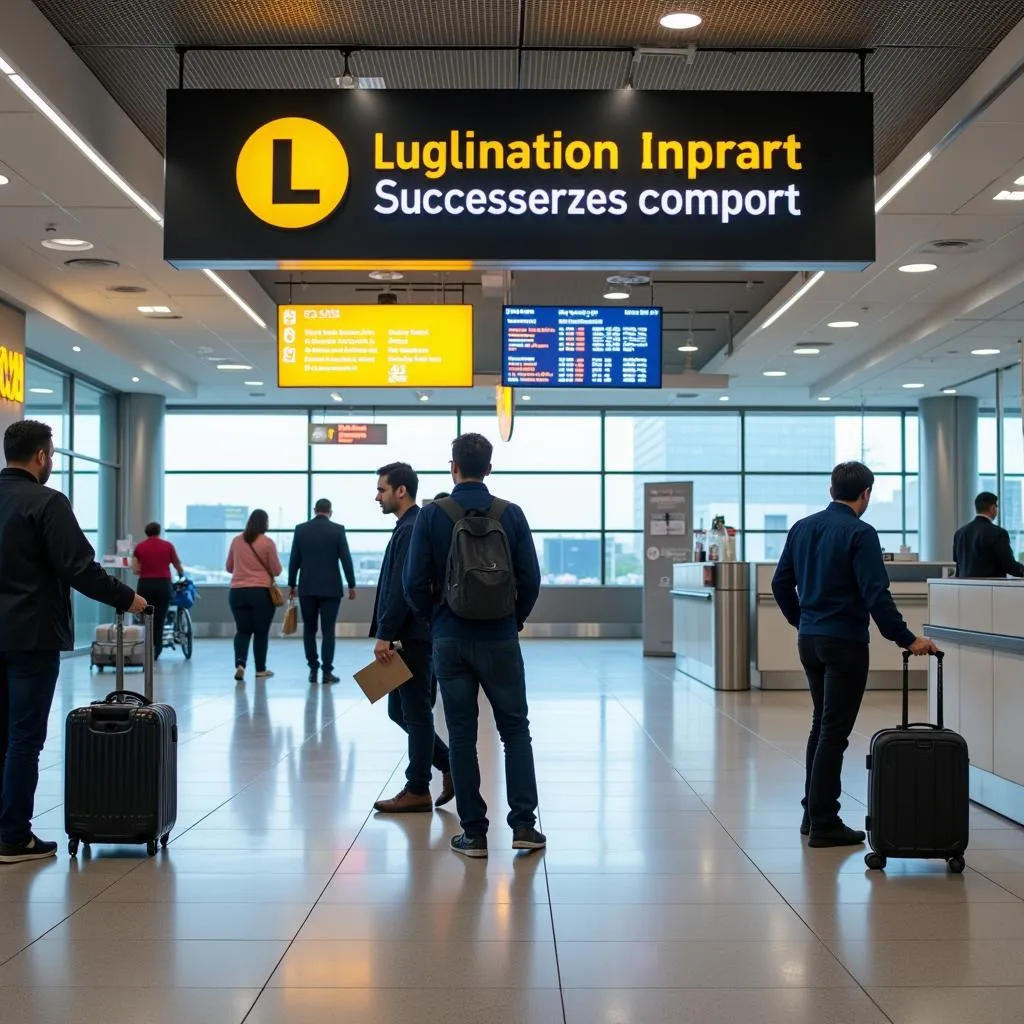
(830, 579)
(470, 654)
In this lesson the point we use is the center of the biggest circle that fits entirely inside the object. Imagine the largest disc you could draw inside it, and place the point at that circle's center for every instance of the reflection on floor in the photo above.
(676, 889)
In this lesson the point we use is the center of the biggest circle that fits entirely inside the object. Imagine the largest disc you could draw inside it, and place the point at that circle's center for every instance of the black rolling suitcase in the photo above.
(121, 764)
(918, 790)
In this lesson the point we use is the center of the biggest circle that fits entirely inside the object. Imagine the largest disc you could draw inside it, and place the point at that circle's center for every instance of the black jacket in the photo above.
(43, 556)
(982, 550)
(393, 618)
(317, 548)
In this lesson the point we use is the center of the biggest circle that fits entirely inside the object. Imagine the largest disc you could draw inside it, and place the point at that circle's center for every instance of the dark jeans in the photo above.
(837, 673)
(158, 593)
(254, 612)
(410, 708)
(322, 611)
(28, 680)
(463, 667)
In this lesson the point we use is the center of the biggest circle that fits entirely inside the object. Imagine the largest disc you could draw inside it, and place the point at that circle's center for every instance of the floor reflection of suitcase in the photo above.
(121, 766)
(918, 789)
(104, 647)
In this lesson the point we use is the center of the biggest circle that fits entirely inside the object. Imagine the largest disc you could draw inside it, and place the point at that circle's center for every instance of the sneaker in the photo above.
(406, 803)
(330, 678)
(447, 790)
(526, 837)
(240, 674)
(838, 835)
(265, 674)
(469, 846)
(31, 849)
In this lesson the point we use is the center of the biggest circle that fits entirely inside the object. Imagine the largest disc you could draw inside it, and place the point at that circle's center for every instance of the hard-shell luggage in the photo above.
(121, 764)
(104, 646)
(918, 789)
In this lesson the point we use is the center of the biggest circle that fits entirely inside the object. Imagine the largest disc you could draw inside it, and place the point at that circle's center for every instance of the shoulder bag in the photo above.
(276, 597)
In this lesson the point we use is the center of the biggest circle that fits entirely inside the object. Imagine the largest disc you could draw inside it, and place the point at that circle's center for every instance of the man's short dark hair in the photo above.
(472, 454)
(152, 529)
(323, 507)
(850, 480)
(984, 501)
(442, 494)
(24, 439)
(401, 474)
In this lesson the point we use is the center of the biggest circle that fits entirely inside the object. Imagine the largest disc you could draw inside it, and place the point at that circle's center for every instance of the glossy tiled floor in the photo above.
(676, 889)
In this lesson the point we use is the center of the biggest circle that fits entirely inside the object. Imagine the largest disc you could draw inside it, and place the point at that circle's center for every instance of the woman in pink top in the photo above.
(254, 564)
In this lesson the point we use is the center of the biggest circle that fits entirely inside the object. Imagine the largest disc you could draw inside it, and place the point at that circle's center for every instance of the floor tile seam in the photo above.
(759, 871)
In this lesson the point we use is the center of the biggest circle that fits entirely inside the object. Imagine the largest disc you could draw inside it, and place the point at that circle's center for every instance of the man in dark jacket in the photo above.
(396, 626)
(830, 579)
(317, 548)
(474, 653)
(981, 549)
(43, 556)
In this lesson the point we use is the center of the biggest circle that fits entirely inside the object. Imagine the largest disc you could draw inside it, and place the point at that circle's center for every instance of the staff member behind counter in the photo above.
(981, 549)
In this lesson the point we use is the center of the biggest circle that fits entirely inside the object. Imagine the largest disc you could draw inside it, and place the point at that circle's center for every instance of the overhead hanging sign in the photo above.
(365, 179)
(348, 433)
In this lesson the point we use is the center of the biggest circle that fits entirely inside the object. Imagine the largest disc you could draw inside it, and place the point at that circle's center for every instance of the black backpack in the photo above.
(479, 581)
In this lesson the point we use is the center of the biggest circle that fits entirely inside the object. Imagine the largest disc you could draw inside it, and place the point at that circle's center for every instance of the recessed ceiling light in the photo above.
(984, 351)
(4, 180)
(689, 348)
(680, 20)
(66, 244)
(40, 391)
(385, 275)
(154, 310)
(723, 398)
(807, 350)
(618, 292)
(774, 373)
(254, 383)
(949, 391)
(526, 398)
(1009, 196)
(424, 398)
(76, 348)
(233, 366)
(336, 397)
(918, 268)
(912, 387)
(135, 380)
(824, 398)
(841, 324)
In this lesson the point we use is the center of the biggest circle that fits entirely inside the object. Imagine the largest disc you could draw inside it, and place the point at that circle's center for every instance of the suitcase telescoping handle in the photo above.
(147, 655)
(906, 692)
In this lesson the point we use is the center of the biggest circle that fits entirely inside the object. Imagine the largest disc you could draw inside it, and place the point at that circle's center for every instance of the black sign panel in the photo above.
(348, 433)
(522, 179)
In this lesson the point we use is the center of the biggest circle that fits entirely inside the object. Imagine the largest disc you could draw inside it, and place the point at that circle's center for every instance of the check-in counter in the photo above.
(980, 626)
(710, 623)
(775, 663)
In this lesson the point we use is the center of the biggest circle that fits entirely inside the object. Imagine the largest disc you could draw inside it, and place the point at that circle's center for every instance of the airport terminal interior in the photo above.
(675, 261)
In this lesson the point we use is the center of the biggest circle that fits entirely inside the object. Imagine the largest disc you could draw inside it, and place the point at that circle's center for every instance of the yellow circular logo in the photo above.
(292, 172)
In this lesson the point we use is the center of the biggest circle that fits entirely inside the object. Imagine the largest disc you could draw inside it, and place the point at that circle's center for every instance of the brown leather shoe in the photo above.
(447, 790)
(406, 803)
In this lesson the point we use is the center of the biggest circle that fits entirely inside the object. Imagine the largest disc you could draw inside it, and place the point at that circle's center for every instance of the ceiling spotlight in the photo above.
(424, 398)
(617, 291)
(526, 398)
(723, 398)
(76, 348)
(233, 366)
(774, 373)
(254, 383)
(949, 391)
(385, 275)
(346, 80)
(918, 268)
(689, 348)
(135, 380)
(681, 20)
(40, 391)
(807, 350)
(840, 324)
(824, 398)
(912, 387)
(4, 180)
(154, 310)
(984, 351)
(66, 244)
(336, 397)
(1009, 196)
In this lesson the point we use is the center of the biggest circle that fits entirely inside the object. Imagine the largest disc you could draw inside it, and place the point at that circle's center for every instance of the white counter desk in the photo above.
(980, 626)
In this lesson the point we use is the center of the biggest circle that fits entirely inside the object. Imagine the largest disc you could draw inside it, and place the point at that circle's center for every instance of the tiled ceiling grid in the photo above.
(926, 48)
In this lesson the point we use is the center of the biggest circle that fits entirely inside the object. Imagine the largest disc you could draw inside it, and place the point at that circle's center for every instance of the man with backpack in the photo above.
(472, 568)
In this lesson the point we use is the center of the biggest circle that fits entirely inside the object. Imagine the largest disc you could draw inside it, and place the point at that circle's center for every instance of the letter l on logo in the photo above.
(283, 192)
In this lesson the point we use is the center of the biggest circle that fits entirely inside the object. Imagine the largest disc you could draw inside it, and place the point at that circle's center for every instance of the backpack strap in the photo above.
(497, 509)
(451, 508)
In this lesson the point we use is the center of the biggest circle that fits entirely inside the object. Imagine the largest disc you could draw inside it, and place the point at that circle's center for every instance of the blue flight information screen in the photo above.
(582, 347)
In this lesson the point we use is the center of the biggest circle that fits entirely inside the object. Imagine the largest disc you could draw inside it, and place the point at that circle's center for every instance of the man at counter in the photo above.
(829, 580)
(981, 549)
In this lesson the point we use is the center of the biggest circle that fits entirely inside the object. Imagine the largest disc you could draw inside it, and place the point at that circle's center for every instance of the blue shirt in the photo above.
(427, 561)
(831, 577)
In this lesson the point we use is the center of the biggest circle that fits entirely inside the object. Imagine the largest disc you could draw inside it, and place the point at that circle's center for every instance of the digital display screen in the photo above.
(581, 347)
(375, 346)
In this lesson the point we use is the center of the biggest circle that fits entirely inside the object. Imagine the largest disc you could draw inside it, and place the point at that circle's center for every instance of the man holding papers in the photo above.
(396, 626)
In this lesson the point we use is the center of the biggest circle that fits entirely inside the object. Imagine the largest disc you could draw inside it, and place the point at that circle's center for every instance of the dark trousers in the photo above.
(159, 594)
(837, 673)
(463, 667)
(322, 612)
(411, 709)
(28, 680)
(254, 612)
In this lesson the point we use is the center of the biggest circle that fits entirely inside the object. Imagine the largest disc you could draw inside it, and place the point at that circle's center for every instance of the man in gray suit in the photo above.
(313, 573)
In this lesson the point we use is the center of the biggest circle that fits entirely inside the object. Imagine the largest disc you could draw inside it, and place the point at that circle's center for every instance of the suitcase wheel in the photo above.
(73, 847)
(151, 848)
(875, 861)
(165, 839)
(957, 865)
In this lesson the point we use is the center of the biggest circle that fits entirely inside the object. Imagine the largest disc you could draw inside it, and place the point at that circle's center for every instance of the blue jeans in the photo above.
(254, 613)
(322, 611)
(410, 708)
(28, 680)
(463, 667)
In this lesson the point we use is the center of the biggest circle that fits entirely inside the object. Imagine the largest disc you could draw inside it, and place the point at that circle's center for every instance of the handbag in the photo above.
(276, 597)
(291, 620)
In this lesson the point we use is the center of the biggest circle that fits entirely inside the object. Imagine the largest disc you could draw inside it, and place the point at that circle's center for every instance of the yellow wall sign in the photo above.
(375, 346)
(12, 375)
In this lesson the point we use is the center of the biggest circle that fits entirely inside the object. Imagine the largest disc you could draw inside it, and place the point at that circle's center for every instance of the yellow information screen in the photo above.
(375, 346)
